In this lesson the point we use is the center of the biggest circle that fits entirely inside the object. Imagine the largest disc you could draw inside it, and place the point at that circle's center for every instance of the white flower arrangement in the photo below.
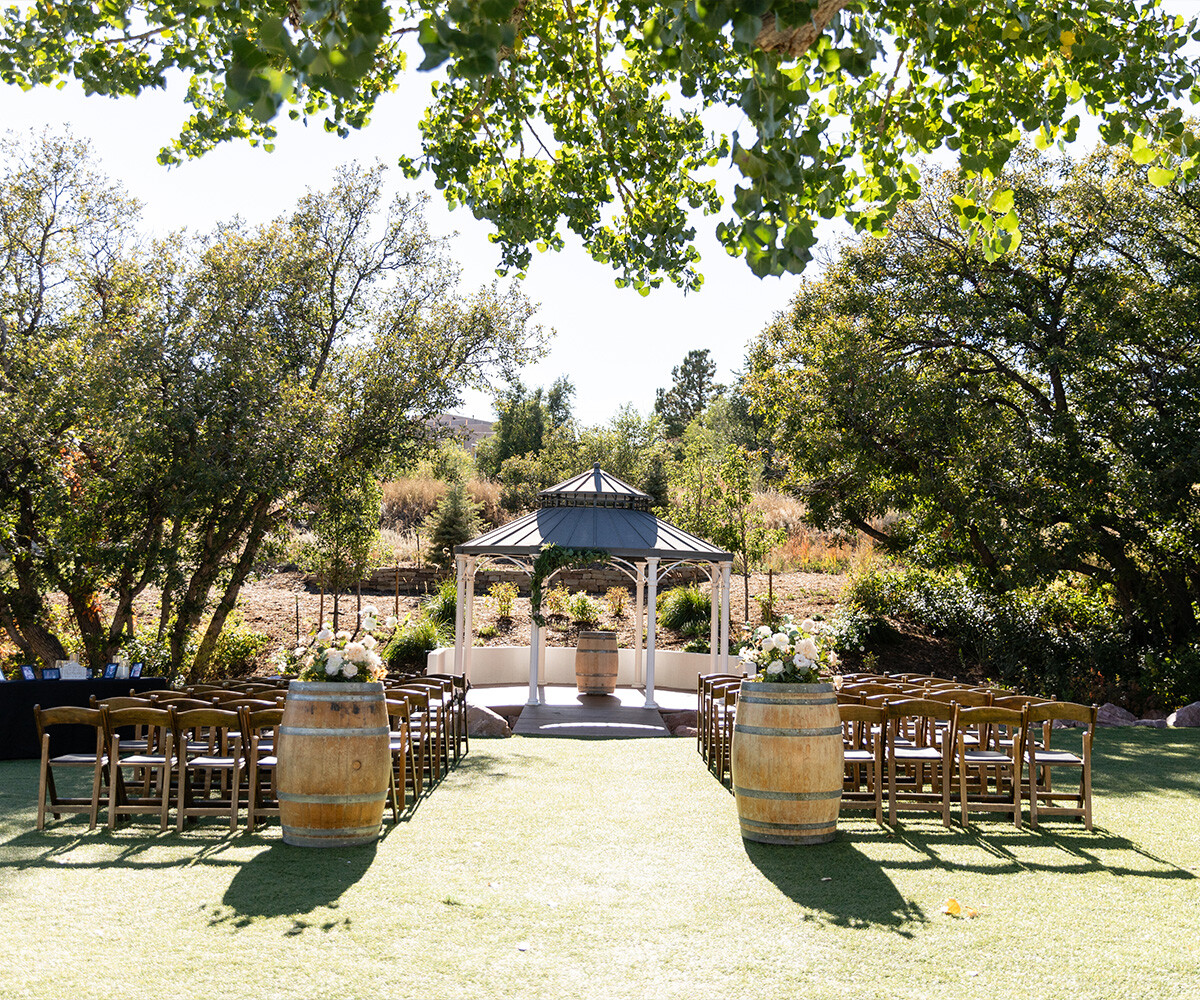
(335, 657)
(794, 654)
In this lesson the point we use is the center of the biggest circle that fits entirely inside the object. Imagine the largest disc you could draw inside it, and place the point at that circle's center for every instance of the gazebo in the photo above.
(595, 510)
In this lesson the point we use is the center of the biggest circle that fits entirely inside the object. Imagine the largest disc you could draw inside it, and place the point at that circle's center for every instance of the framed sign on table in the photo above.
(110, 671)
(27, 673)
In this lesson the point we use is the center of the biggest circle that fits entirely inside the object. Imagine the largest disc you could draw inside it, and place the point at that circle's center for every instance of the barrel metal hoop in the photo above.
(768, 838)
(331, 800)
(317, 835)
(341, 731)
(786, 731)
(781, 827)
(754, 698)
(767, 793)
(327, 697)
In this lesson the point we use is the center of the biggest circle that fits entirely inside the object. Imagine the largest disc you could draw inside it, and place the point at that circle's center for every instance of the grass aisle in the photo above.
(555, 868)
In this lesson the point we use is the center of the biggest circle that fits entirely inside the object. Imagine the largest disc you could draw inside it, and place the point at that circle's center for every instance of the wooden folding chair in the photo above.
(989, 769)
(704, 710)
(156, 760)
(209, 747)
(404, 764)
(863, 729)
(914, 746)
(260, 735)
(48, 719)
(1041, 759)
(461, 687)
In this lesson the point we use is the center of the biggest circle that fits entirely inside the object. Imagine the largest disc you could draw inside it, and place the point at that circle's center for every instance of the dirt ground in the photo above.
(282, 606)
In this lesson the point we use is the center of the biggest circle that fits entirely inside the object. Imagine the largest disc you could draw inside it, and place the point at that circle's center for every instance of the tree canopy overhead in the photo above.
(585, 115)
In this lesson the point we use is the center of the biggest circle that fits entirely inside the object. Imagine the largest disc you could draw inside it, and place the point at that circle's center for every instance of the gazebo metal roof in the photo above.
(594, 510)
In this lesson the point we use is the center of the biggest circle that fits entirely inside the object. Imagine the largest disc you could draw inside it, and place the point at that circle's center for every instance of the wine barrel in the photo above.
(787, 762)
(596, 663)
(332, 775)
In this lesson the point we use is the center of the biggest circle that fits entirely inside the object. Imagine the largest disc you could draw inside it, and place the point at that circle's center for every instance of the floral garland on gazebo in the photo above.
(549, 560)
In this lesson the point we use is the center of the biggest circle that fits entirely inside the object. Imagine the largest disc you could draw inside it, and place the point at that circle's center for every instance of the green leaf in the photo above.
(1160, 176)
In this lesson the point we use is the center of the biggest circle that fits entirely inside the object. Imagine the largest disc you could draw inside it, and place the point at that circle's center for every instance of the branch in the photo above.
(796, 41)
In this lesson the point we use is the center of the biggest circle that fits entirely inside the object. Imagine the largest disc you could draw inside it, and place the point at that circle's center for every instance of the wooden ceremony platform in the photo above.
(565, 713)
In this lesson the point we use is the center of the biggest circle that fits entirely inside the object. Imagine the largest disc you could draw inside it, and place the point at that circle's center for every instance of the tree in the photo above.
(345, 520)
(525, 420)
(165, 409)
(588, 117)
(712, 496)
(455, 521)
(1032, 416)
(691, 391)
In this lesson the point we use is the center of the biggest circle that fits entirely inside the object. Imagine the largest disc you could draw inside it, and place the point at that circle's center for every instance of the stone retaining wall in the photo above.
(425, 579)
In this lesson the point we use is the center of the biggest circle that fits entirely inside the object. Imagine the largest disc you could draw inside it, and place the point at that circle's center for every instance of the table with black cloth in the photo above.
(18, 731)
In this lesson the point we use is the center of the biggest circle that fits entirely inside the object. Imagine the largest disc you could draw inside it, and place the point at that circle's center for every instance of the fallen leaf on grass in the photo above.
(953, 908)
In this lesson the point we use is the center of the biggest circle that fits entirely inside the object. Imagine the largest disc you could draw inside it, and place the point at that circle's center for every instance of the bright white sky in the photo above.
(616, 346)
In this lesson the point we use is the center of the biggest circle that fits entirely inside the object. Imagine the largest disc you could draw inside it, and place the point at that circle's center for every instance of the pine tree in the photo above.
(456, 520)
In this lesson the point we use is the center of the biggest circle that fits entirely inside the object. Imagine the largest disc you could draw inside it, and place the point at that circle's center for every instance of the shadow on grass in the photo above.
(837, 884)
(1001, 849)
(296, 882)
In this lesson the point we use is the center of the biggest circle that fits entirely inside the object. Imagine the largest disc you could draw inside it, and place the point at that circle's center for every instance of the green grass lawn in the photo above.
(558, 868)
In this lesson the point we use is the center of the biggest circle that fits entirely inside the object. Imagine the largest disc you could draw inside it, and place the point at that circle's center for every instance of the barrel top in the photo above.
(598, 635)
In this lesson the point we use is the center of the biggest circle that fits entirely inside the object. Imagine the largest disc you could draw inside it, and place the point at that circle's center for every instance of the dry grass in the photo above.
(408, 502)
(806, 549)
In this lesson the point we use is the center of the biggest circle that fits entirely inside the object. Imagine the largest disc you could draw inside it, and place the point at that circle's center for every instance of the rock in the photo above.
(1152, 723)
(684, 731)
(484, 722)
(1186, 717)
(1114, 715)
(1153, 713)
(673, 719)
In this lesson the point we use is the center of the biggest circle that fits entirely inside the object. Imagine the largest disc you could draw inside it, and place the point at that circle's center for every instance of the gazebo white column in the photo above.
(640, 587)
(460, 573)
(651, 606)
(468, 614)
(714, 607)
(534, 636)
(726, 573)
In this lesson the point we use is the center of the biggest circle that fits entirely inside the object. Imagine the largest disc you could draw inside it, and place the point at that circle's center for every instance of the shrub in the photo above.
(442, 606)
(584, 611)
(557, 601)
(1065, 640)
(235, 654)
(616, 598)
(408, 502)
(405, 652)
(685, 610)
(155, 656)
(503, 593)
(487, 631)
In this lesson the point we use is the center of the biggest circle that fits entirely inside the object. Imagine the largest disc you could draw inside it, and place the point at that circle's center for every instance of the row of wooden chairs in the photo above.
(924, 754)
(212, 749)
(147, 758)
(923, 743)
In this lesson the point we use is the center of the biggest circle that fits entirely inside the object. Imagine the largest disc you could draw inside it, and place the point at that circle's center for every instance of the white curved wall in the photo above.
(505, 665)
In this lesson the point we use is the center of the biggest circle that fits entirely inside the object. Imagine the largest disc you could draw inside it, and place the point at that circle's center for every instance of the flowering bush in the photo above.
(789, 653)
(338, 657)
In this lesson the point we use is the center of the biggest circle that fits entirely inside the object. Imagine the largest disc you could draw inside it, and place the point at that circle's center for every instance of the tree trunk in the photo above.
(229, 598)
(37, 643)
